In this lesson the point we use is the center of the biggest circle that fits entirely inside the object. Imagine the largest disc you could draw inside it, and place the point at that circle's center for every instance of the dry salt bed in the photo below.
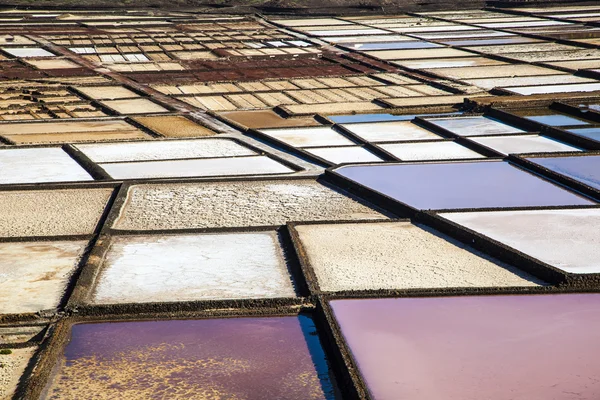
(163, 150)
(25, 52)
(34, 275)
(52, 63)
(181, 158)
(566, 239)
(141, 269)
(308, 137)
(474, 126)
(232, 358)
(399, 255)
(418, 54)
(134, 106)
(493, 71)
(51, 212)
(173, 126)
(534, 347)
(13, 366)
(472, 184)
(429, 151)
(72, 132)
(393, 131)
(348, 154)
(240, 166)
(107, 92)
(235, 204)
(572, 88)
(38, 165)
(548, 80)
(447, 62)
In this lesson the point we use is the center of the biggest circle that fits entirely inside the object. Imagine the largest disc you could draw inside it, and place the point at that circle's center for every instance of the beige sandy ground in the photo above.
(12, 367)
(399, 255)
(235, 204)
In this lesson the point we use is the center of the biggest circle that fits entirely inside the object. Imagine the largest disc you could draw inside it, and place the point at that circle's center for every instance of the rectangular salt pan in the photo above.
(348, 154)
(193, 267)
(547, 118)
(533, 347)
(235, 204)
(163, 150)
(27, 52)
(585, 169)
(392, 45)
(524, 144)
(398, 255)
(429, 151)
(35, 275)
(308, 137)
(475, 184)
(474, 126)
(254, 165)
(590, 133)
(54, 212)
(38, 165)
(134, 106)
(573, 88)
(348, 32)
(390, 131)
(566, 239)
(235, 358)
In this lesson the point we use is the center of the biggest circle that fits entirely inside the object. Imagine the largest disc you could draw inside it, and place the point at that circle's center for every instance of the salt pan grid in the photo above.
(186, 182)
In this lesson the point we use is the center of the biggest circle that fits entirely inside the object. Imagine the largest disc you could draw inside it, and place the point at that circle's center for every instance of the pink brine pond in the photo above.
(235, 358)
(535, 347)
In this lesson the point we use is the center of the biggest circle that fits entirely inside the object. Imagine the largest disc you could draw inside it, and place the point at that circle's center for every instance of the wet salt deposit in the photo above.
(252, 358)
(565, 239)
(193, 267)
(398, 255)
(525, 347)
(34, 275)
(583, 169)
(233, 204)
